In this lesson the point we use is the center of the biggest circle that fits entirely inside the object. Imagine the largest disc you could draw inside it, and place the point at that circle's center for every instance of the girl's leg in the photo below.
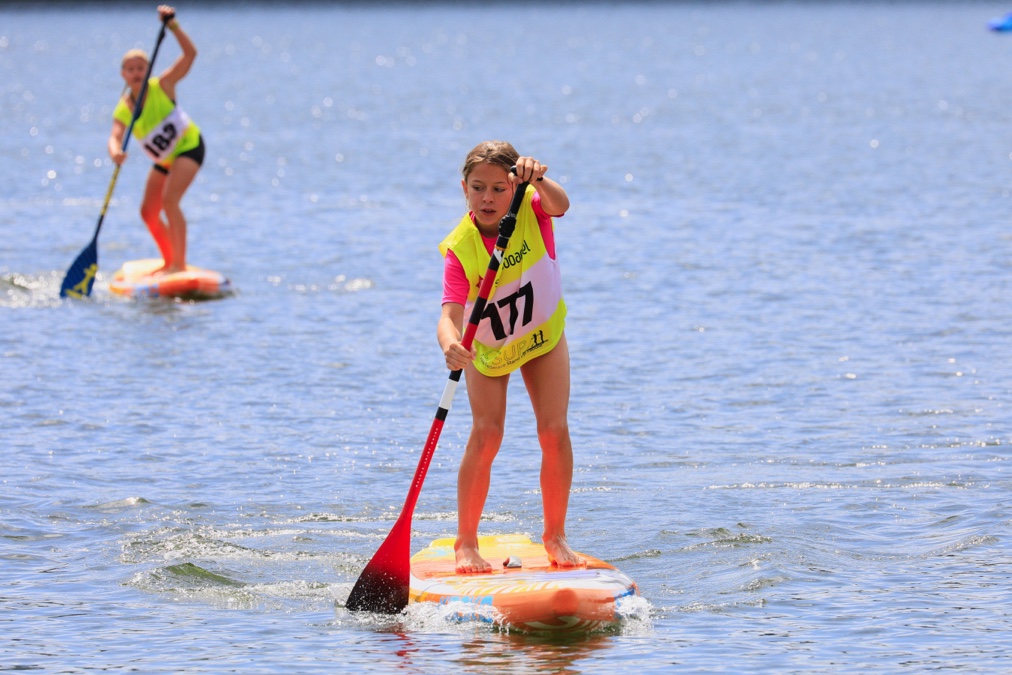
(547, 381)
(488, 411)
(184, 170)
(151, 213)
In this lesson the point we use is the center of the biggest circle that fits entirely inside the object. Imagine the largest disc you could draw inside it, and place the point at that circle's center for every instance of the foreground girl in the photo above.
(522, 329)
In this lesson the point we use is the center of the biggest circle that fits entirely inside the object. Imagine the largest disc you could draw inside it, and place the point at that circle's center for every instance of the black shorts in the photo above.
(196, 154)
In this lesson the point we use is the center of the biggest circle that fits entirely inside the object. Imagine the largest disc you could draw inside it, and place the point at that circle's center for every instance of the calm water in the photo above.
(788, 268)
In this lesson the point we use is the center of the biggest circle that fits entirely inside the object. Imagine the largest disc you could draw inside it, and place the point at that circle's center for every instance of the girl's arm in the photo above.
(116, 142)
(448, 332)
(181, 66)
(554, 199)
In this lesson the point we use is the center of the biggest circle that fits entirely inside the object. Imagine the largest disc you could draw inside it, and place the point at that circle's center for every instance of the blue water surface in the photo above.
(787, 265)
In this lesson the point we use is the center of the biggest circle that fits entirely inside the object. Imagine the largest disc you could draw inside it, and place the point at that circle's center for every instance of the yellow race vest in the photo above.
(163, 129)
(525, 316)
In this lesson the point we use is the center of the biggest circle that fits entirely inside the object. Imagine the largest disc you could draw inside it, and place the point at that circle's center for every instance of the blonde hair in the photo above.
(497, 153)
(134, 54)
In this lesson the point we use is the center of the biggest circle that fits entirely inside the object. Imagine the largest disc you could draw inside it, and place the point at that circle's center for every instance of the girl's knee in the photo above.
(170, 204)
(553, 435)
(488, 434)
(150, 213)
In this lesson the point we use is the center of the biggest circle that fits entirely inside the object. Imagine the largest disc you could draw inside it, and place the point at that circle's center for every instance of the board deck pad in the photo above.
(134, 280)
(535, 596)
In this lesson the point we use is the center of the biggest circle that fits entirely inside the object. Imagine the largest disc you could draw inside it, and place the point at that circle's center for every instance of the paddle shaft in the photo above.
(138, 108)
(383, 584)
(450, 389)
(80, 277)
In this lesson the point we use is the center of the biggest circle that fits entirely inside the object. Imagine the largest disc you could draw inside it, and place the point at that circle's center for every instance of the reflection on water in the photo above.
(532, 654)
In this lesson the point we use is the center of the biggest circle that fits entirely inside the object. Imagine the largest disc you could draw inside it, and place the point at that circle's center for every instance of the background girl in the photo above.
(169, 137)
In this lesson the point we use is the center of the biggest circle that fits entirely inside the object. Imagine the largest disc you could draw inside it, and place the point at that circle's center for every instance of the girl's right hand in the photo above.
(457, 357)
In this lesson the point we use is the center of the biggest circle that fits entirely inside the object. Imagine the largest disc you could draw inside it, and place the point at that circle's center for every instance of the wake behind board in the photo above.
(535, 596)
(134, 280)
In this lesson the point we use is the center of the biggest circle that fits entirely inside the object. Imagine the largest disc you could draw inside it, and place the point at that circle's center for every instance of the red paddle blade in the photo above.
(383, 585)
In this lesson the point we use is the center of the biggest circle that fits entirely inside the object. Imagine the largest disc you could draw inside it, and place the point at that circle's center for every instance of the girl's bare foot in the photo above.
(469, 561)
(559, 553)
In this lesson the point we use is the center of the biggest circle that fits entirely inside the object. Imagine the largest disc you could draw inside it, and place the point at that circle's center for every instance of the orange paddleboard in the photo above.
(134, 279)
(526, 592)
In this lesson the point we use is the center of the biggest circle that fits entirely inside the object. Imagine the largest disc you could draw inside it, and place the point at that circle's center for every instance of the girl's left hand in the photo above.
(166, 13)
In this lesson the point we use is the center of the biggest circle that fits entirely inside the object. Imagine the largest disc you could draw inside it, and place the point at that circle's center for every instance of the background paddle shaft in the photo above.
(139, 105)
(108, 197)
(138, 109)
